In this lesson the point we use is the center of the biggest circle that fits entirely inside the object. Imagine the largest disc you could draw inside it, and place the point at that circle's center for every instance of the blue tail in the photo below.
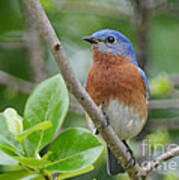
(113, 165)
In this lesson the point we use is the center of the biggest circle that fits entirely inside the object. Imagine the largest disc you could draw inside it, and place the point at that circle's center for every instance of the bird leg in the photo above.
(132, 160)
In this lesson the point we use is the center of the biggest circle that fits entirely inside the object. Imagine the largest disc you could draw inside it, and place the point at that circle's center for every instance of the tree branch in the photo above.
(77, 90)
(97, 9)
(16, 83)
(141, 24)
(159, 160)
(116, 11)
(153, 104)
(35, 49)
(163, 123)
(164, 104)
(166, 7)
(175, 79)
(13, 45)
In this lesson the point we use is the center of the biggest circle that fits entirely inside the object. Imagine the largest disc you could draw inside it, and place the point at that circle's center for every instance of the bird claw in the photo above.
(130, 151)
(132, 162)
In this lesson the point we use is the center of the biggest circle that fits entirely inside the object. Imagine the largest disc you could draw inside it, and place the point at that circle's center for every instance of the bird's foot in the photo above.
(132, 160)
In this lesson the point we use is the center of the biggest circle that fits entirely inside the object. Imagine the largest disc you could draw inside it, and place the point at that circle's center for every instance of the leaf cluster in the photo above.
(23, 139)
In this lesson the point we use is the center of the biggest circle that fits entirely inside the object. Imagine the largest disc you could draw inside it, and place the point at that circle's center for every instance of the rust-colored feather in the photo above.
(114, 77)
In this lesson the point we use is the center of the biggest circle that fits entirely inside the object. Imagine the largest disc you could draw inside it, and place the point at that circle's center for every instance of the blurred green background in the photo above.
(155, 38)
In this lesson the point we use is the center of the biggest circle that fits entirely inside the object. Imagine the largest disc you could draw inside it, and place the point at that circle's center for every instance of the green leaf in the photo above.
(15, 175)
(6, 137)
(75, 149)
(13, 120)
(41, 126)
(73, 174)
(35, 177)
(9, 150)
(7, 160)
(33, 162)
(9, 168)
(48, 102)
(161, 86)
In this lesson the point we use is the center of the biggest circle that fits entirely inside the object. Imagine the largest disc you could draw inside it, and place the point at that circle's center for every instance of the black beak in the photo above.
(91, 40)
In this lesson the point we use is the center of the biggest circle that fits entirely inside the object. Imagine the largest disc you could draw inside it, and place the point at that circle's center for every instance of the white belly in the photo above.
(125, 122)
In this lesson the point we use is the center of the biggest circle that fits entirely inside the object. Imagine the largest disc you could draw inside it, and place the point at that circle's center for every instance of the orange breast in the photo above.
(120, 80)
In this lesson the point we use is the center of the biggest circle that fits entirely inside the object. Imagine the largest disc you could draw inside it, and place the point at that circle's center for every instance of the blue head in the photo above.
(113, 42)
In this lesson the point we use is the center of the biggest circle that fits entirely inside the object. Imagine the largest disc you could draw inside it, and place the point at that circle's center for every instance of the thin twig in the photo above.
(163, 123)
(166, 8)
(104, 9)
(164, 104)
(153, 105)
(13, 45)
(141, 24)
(115, 11)
(35, 49)
(16, 83)
(175, 79)
(160, 159)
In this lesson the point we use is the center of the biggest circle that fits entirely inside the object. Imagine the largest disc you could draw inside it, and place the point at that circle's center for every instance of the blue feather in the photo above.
(145, 80)
(122, 45)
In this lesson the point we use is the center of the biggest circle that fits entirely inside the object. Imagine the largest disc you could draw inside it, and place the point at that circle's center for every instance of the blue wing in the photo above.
(146, 81)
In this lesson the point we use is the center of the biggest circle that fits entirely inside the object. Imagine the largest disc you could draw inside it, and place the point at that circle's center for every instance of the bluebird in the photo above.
(118, 86)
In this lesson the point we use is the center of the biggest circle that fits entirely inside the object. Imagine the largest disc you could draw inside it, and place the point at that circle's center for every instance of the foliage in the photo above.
(161, 86)
(22, 138)
(171, 177)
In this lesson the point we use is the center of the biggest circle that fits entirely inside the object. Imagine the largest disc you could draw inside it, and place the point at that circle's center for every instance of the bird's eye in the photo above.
(110, 39)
